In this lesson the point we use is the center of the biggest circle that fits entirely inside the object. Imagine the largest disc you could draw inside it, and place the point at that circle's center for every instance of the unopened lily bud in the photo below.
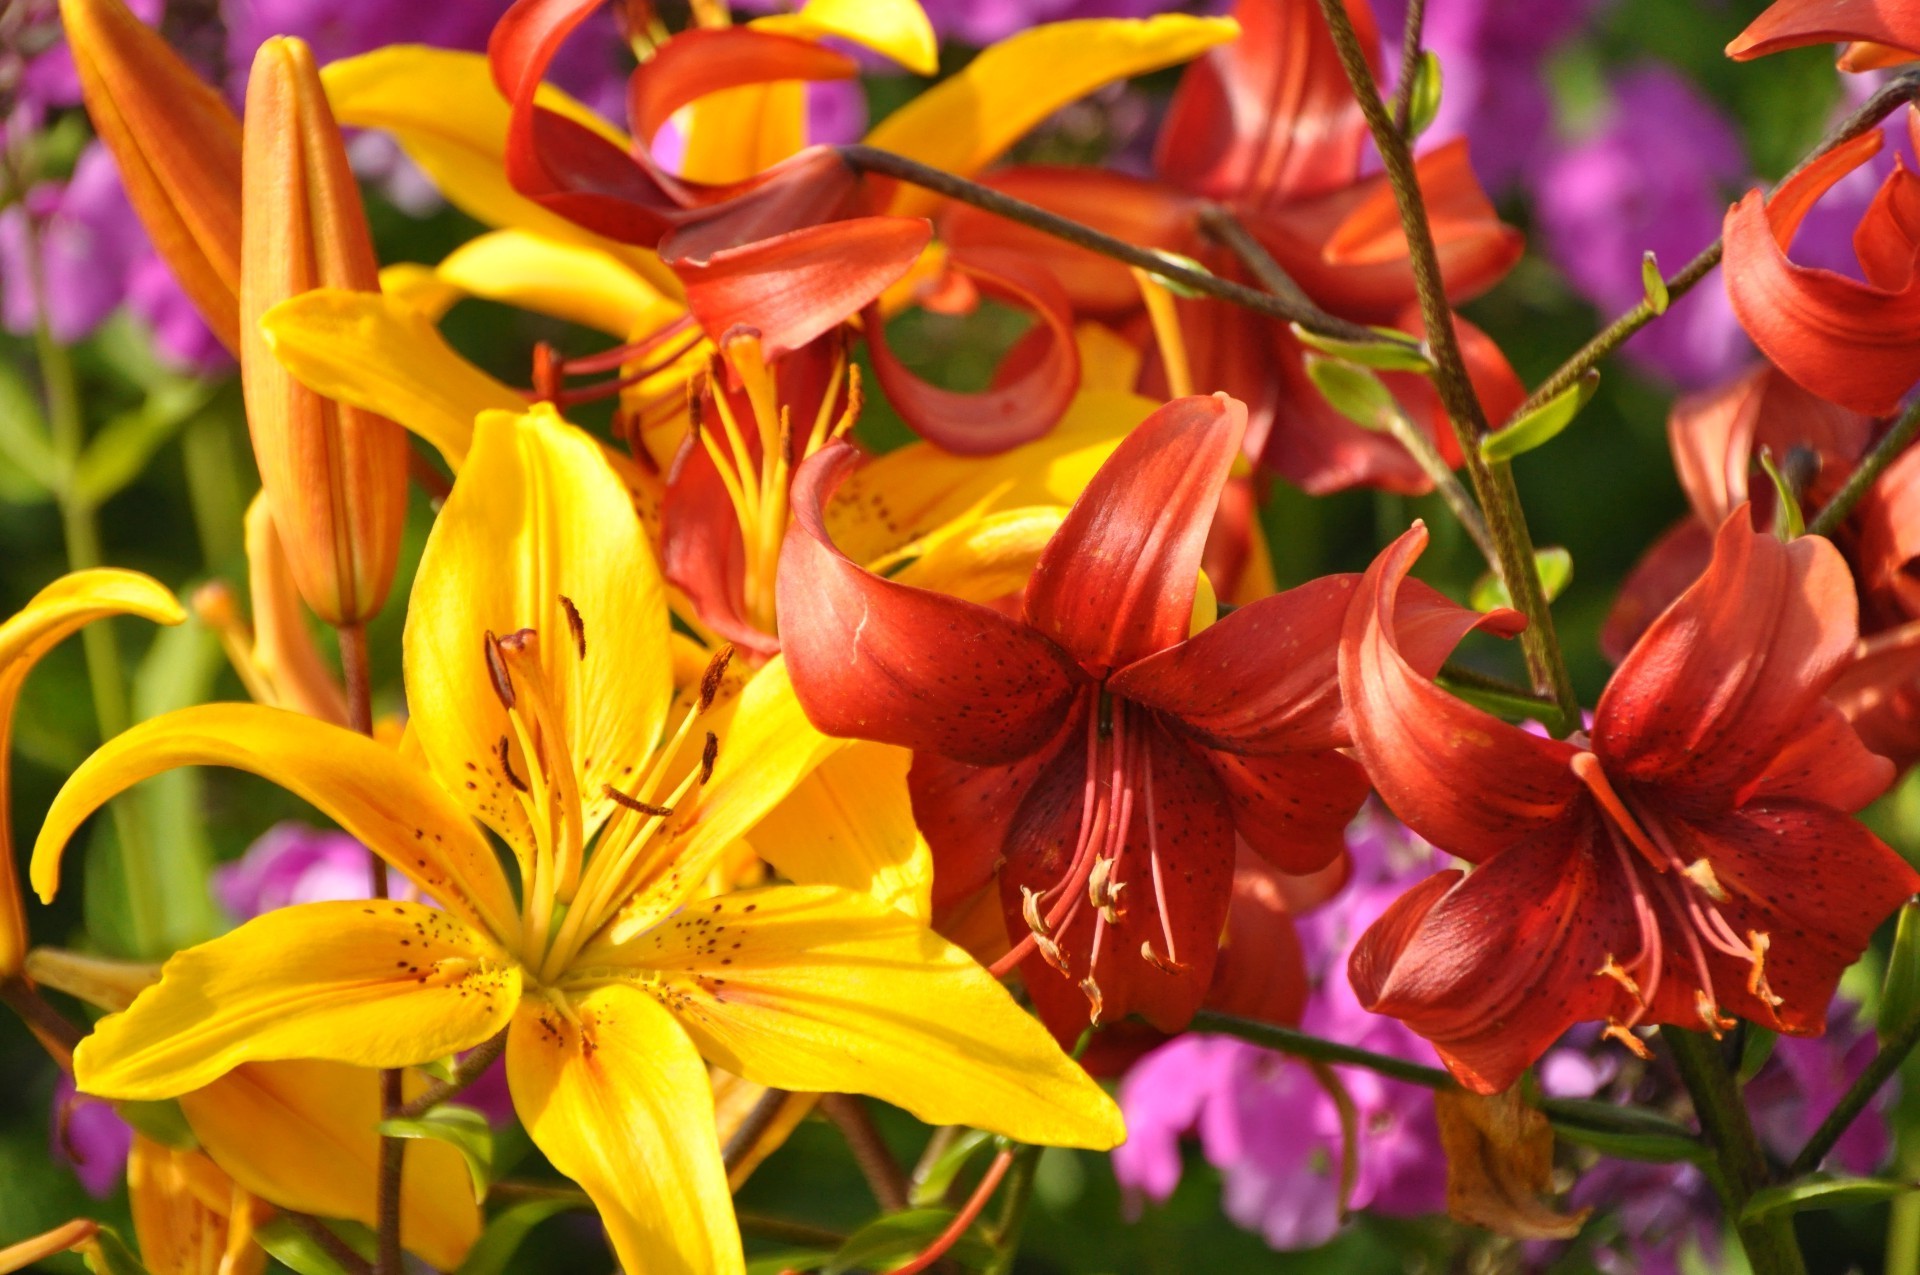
(177, 144)
(335, 476)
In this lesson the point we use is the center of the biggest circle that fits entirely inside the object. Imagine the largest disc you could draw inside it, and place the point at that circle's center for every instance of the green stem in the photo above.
(1013, 1210)
(1409, 65)
(470, 1069)
(1858, 1095)
(1492, 483)
(1866, 473)
(67, 430)
(782, 1231)
(1495, 695)
(870, 1151)
(1742, 1165)
(213, 482)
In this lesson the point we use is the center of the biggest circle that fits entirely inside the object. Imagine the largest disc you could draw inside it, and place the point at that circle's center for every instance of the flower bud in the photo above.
(177, 145)
(335, 476)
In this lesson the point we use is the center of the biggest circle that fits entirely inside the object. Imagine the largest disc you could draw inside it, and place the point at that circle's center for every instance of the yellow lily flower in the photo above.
(190, 1218)
(538, 669)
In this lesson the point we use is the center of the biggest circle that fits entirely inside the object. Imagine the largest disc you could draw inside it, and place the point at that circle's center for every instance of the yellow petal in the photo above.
(301, 1134)
(818, 989)
(57, 611)
(1108, 361)
(897, 29)
(539, 533)
(187, 1215)
(980, 559)
(365, 787)
(419, 286)
(384, 355)
(850, 823)
(969, 120)
(906, 494)
(404, 90)
(615, 1095)
(376, 983)
(568, 280)
(737, 132)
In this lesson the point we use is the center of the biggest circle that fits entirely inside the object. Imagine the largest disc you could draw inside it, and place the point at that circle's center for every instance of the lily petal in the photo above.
(574, 281)
(1790, 24)
(246, 1119)
(878, 660)
(1294, 808)
(384, 355)
(616, 1097)
(1463, 779)
(375, 983)
(1663, 573)
(541, 534)
(817, 989)
(898, 29)
(1735, 670)
(393, 808)
(1475, 248)
(713, 60)
(1117, 583)
(969, 120)
(965, 812)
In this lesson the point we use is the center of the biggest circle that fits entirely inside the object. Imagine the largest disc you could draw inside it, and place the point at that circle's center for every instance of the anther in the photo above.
(716, 672)
(1710, 1014)
(1050, 952)
(1092, 990)
(1700, 872)
(1613, 970)
(1104, 892)
(708, 752)
(1757, 976)
(575, 625)
(634, 803)
(497, 672)
(1620, 1032)
(1030, 909)
(504, 751)
(1160, 962)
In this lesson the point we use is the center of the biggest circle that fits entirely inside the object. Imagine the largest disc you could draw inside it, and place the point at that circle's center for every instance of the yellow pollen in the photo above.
(1092, 990)
(1613, 970)
(1620, 1032)
(1757, 976)
(1700, 872)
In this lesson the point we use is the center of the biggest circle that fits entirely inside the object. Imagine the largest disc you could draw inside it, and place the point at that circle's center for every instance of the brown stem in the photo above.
(1219, 222)
(1492, 483)
(758, 1121)
(1866, 473)
(866, 159)
(469, 1070)
(47, 1023)
(850, 1115)
(1870, 1081)
(1902, 89)
(1409, 65)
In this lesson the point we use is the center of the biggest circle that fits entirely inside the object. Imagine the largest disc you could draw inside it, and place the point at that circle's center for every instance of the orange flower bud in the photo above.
(335, 476)
(178, 148)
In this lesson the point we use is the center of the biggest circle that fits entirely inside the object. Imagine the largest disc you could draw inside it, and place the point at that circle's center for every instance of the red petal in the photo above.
(1262, 680)
(1300, 436)
(1196, 847)
(1889, 231)
(1014, 412)
(1493, 968)
(1116, 582)
(1717, 433)
(1735, 670)
(807, 189)
(1879, 691)
(1846, 341)
(1269, 117)
(1262, 973)
(794, 287)
(1294, 809)
(1463, 779)
(1816, 882)
(1887, 548)
(1663, 573)
(964, 811)
(1475, 247)
(871, 659)
(1829, 765)
(1135, 209)
(1789, 24)
(697, 62)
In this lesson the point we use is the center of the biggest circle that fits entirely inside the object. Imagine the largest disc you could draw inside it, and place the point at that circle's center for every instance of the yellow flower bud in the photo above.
(177, 144)
(335, 476)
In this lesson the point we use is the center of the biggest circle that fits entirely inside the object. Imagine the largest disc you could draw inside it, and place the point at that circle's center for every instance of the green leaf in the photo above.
(162, 1121)
(122, 449)
(1394, 352)
(295, 1249)
(179, 670)
(1788, 522)
(888, 1241)
(1819, 1192)
(1555, 566)
(1655, 283)
(1900, 994)
(1175, 286)
(1542, 424)
(787, 1259)
(1627, 1133)
(1352, 391)
(930, 1187)
(505, 1232)
(1425, 103)
(1756, 1046)
(108, 1254)
(462, 1128)
(24, 444)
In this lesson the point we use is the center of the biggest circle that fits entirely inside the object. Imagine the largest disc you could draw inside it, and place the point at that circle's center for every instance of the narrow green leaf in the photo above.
(1352, 391)
(300, 1252)
(462, 1128)
(890, 1240)
(109, 1255)
(787, 1259)
(179, 669)
(1788, 522)
(1631, 1133)
(1756, 1046)
(930, 1188)
(1555, 566)
(1542, 424)
(24, 444)
(1394, 352)
(1819, 1192)
(1655, 283)
(1425, 103)
(121, 450)
(506, 1231)
(1900, 994)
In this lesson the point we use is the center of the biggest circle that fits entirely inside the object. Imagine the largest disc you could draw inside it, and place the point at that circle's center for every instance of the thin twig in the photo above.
(1220, 223)
(748, 1134)
(866, 159)
(964, 1219)
(1866, 473)
(1855, 1100)
(1891, 96)
(782, 1231)
(850, 1115)
(1409, 65)
(1492, 483)
(59, 1036)
(469, 1070)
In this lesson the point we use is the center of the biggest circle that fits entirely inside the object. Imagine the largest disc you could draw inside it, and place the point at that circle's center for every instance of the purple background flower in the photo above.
(89, 1137)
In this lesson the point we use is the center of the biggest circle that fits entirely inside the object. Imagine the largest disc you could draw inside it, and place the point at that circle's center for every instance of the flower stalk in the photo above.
(1856, 1098)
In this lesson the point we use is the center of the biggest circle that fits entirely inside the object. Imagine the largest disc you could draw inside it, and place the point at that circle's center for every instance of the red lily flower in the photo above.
(1880, 690)
(1851, 342)
(1716, 437)
(1791, 24)
(1089, 753)
(1693, 859)
(1267, 126)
